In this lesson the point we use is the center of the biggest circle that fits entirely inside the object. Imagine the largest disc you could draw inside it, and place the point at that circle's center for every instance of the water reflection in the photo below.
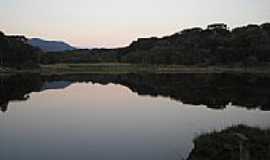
(215, 91)
(17, 88)
(61, 117)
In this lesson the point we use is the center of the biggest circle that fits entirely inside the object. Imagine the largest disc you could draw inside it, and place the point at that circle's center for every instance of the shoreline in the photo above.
(122, 68)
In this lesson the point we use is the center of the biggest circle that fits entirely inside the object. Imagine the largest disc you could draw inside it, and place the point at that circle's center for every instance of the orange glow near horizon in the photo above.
(110, 23)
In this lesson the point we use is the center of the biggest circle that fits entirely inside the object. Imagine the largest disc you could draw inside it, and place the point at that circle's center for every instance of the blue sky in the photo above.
(115, 23)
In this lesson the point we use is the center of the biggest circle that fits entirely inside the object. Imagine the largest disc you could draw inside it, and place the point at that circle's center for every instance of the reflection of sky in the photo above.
(91, 121)
(114, 23)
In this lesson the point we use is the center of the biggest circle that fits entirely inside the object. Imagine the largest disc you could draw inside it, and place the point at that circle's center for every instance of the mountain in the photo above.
(50, 46)
(56, 85)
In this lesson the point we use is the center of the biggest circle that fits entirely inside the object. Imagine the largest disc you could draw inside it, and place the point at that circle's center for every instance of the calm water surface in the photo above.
(122, 117)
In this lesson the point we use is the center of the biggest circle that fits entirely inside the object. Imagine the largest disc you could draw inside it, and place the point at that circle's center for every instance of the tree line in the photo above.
(16, 52)
(215, 45)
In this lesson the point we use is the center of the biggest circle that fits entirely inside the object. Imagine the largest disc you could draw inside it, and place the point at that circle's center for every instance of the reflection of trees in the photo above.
(215, 91)
(17, 88)
(4, 106)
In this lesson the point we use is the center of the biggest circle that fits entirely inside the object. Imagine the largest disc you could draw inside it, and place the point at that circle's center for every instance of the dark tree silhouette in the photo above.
(15, 52)
(216, 45)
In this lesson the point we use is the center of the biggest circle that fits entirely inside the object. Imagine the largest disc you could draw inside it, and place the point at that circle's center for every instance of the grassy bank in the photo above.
(122, 68)
(139, 68)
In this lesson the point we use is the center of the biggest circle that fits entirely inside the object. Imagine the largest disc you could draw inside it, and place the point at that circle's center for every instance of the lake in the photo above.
(125, 116)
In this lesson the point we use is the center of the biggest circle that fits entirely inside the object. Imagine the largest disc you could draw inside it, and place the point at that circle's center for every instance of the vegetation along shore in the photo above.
(216, 49)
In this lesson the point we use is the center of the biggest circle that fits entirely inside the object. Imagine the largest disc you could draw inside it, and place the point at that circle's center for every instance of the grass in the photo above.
(95, 68)
(141, 68)
(121, 68)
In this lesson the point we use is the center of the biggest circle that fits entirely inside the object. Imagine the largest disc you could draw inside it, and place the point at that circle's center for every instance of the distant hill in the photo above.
(215, 45)
(55, 85)
(50, 46)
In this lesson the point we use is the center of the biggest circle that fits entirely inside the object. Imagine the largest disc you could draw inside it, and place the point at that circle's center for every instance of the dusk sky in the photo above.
(116, 23)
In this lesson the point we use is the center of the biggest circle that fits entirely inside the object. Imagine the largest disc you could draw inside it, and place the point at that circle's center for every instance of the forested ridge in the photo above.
(215, 45)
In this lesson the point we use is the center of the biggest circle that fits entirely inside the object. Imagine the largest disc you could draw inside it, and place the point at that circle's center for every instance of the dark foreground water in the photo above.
(123, 117)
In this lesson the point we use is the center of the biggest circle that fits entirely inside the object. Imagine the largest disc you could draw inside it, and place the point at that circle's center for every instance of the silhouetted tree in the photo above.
(15, 52)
